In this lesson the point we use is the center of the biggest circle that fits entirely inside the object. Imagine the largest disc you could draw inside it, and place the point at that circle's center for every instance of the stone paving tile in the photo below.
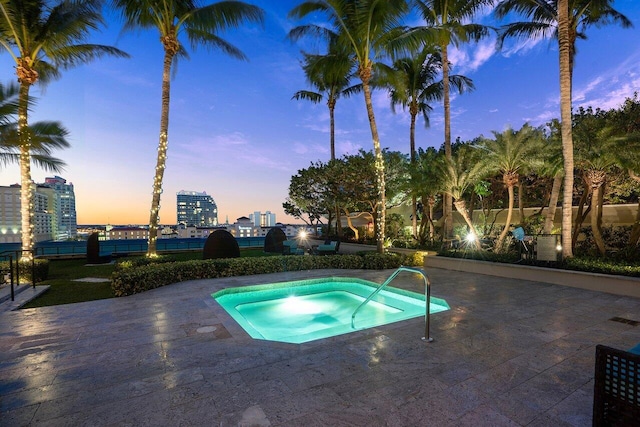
(508, 353)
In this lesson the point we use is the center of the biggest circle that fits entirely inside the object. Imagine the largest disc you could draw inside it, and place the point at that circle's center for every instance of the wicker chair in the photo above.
(616, 398)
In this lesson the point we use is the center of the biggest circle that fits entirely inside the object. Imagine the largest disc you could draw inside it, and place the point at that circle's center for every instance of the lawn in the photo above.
(65, 289)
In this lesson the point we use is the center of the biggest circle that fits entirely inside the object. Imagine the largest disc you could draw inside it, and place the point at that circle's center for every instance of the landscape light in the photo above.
(470, 238)
(302, 234)
(559, 247)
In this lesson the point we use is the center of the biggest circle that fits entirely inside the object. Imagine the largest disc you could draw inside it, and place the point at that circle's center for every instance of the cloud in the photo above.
(469, 58)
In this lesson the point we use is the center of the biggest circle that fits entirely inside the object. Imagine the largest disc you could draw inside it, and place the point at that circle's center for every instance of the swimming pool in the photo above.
(306, 310)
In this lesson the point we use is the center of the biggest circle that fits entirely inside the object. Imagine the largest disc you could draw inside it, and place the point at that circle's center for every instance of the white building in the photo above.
(266, 219)
(62, 204)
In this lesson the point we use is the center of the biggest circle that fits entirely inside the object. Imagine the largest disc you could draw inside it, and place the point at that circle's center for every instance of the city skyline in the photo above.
(236, 134)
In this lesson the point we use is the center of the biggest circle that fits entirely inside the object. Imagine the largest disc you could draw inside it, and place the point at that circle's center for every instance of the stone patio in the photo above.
(508, 353)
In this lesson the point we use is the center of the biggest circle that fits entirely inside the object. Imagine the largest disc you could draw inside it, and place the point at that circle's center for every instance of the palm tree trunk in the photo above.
(461, 207)
(26, 185)
(553, 204)
(521, 202)
(564, 47)
(332, 107)
(447, 203)
(595, 226)
(507, 224)
(163, 144)
(365, 75)
(412, 147)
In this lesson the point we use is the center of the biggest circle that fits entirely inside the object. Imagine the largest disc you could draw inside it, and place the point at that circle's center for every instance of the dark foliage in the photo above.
(221, 244)
(273, 241)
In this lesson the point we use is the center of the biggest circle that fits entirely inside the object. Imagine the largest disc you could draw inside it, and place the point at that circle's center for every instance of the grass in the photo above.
(64, 289)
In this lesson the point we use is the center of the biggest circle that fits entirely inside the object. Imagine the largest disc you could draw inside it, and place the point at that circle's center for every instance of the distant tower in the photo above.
(266, 219)
(63, 207)
(197, 209)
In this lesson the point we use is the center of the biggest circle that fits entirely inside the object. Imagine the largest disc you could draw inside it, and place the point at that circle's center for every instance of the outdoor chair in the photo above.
(616, 401)
(290, 247)
(330, 247)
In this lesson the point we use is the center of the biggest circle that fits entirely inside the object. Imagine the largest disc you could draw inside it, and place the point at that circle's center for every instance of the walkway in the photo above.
(508, 353)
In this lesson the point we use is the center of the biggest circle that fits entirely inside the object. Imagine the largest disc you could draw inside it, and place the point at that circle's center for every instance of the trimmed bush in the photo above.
(220, 244)
(273, 241)
(41, 270)
(132, 280)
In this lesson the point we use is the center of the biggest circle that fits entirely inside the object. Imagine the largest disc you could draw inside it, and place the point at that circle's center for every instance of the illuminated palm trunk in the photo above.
(461, 207)
(26, 187)
(412, 148)
(564, 47)
(510, 180)
(553, 204)
(365, 75)
(447, 203)
(163, 144)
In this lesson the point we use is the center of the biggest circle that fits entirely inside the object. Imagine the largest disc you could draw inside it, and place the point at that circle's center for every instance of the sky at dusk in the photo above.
(236, 134)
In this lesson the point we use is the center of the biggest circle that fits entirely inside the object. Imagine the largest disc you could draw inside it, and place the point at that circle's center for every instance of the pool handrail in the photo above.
(427, 294)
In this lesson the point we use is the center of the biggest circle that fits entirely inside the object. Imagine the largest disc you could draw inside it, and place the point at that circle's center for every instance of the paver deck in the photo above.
(508, 353)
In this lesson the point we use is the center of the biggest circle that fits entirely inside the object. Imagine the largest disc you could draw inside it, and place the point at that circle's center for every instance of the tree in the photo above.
(448, 22)
(331, 74)
(310, 195)
(44, 136)
(459, 175)
(42, 39)
(567, 21)
(413, 83)
(365, 28)
(200, 25)
(424, 185)
(510, 153)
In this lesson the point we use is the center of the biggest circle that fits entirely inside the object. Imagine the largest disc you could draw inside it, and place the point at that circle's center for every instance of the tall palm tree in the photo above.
(414, 84)
(510, 153)
(365, 28)
(200, 24)
(567, 21)
(331, 75)
(44, 136)
(42, 39)
(449, 22)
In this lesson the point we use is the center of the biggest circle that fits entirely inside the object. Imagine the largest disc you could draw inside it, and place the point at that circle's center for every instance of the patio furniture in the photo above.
(290, 247)
(330, 247)
(616, 401)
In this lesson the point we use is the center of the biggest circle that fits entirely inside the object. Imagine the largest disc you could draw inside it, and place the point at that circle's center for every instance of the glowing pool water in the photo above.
(307, 310)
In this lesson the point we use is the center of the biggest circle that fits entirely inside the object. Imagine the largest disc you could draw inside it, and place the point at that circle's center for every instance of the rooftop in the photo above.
(508, 353)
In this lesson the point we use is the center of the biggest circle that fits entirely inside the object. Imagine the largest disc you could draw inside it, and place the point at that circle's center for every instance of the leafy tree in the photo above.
(567, 21)
(510, 153)
(424, 185)
(309, 195)
(200, 25)
(449, 22)
(364, 28)
(44, 37)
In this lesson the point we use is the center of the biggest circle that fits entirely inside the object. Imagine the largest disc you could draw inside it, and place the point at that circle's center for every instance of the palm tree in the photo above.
(365, 28)
(424, 184)
(331, 75)
(44, 136)
(460, 174)
(448, 22)
(567, 21)
(414, 84)
(510, 153)
(42, 39)
(200, 24)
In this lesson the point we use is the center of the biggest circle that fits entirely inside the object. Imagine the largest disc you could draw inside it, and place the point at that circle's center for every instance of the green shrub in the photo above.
(41, 270)
(140, 278)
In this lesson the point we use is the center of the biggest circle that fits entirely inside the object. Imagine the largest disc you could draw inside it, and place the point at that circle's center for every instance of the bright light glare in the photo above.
(470, 238)
(296, 305)
(559, 248)
(302, 234)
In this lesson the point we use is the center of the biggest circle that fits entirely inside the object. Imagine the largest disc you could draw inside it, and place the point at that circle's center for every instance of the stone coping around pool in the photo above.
(618, 285)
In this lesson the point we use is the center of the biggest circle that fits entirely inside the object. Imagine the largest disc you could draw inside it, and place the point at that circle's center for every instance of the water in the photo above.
(303, 311)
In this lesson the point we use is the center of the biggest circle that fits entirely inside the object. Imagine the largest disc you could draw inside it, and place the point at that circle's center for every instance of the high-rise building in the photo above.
(62, 205)
(196, 209)
(266, 219)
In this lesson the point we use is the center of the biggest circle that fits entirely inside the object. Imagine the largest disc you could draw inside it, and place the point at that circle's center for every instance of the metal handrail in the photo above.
(427, 294)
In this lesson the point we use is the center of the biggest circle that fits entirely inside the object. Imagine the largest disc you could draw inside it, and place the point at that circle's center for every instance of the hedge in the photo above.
(132, 279)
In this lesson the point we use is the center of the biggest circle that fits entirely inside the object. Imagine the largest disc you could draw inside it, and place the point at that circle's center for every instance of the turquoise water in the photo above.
(307, 310)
